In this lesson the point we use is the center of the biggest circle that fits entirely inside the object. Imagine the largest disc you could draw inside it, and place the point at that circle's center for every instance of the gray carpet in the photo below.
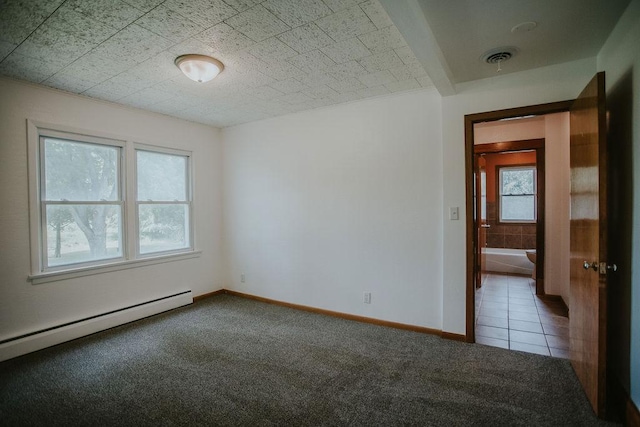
(233, 361)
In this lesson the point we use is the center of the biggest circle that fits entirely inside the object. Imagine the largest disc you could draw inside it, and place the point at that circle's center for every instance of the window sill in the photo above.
(54, 276)
(517, 222)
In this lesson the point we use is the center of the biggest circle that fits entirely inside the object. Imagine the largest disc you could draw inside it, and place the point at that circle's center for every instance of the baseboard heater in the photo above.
(38, 340)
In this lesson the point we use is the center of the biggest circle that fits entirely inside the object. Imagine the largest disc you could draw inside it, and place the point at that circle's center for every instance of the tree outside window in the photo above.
(83, 191)
(81, 201)
(518, 194)
(163, 201)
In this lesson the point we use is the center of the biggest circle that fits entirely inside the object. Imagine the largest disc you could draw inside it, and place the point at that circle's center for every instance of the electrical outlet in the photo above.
(242, 278)
(367, 297)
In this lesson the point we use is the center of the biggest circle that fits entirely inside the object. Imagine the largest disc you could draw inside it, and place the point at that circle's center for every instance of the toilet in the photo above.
(531, 255)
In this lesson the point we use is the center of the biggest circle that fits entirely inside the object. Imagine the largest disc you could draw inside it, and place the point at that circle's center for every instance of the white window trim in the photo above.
(135, 203)
(54, 276)
(127, 172)
(43, 132)
(535, 194)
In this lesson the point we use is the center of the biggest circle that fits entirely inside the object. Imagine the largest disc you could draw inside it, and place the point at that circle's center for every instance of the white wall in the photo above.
(298, 205)
(557, 207)
(25, 307)
(325, 205)
(621, 56)
(539, 86)
(508, 130)
(554, 128)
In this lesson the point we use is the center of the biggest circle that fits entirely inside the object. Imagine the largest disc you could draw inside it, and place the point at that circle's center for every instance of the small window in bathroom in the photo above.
(517, 189)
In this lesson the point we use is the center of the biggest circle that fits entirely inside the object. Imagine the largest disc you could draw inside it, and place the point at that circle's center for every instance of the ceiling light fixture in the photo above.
(199, 68)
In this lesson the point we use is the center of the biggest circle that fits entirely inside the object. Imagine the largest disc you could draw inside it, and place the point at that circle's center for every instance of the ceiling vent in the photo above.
(498, 55)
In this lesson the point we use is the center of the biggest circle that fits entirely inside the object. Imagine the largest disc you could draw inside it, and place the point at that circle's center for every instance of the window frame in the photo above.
(499, 195)
(189, 198)
(130, 258)
(43, 134)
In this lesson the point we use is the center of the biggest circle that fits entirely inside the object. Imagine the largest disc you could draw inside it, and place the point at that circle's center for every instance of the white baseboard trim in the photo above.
(49, 337)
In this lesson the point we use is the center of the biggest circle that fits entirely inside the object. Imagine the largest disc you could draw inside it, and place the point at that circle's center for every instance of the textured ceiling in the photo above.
(280, 56)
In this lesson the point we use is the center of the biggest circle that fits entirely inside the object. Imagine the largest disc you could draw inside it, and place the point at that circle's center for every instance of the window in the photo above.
(82, 186)
(517, 189)
(162, 202)
(81, 202)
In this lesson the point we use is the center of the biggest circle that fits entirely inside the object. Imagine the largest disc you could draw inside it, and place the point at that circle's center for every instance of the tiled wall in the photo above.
(513, 236)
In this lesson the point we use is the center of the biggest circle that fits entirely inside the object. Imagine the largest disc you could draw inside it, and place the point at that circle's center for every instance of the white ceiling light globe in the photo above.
(199, 68)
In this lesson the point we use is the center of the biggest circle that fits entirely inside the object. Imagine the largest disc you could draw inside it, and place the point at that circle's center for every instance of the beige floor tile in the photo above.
(498, 322)
(529, 348)
(493, 342)
(492, 332)
(521, 325)
(527, 337)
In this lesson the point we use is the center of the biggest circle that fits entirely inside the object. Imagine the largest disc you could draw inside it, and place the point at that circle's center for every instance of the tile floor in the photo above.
(510, 315)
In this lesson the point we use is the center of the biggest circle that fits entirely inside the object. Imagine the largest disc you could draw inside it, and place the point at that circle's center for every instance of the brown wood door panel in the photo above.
(589, 241)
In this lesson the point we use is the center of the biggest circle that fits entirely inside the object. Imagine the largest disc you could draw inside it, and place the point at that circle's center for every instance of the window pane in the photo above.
(517, 208)
(517, 181)
(82, 233)
(161, 177)
(79, 171)
(163, 227)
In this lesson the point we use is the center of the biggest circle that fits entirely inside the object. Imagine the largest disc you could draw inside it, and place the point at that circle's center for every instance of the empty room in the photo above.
(319, 212)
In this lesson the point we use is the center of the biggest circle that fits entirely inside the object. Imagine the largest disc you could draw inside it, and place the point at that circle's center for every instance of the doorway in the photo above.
(472, 220)
(512, 310)
(510, 209)
(592, 213)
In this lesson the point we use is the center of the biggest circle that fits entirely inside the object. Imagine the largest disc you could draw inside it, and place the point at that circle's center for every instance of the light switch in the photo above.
(453, 213)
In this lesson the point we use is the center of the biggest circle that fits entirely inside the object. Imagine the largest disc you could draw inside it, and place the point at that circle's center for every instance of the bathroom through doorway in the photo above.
(510, 209)
(513, 308)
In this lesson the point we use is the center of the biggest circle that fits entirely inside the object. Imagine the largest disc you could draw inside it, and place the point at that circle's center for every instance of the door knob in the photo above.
(588, 265)
(602, 267)
(485, 225)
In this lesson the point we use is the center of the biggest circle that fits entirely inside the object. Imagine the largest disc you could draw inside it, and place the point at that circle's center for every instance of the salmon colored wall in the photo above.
(501, 235)
(493, 160)
(554, 128)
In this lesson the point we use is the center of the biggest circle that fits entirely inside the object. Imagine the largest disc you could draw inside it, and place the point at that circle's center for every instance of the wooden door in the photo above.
(481, 217)
(588, 226)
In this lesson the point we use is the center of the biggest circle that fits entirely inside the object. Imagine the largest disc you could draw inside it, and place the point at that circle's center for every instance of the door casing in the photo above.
(469, 121)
